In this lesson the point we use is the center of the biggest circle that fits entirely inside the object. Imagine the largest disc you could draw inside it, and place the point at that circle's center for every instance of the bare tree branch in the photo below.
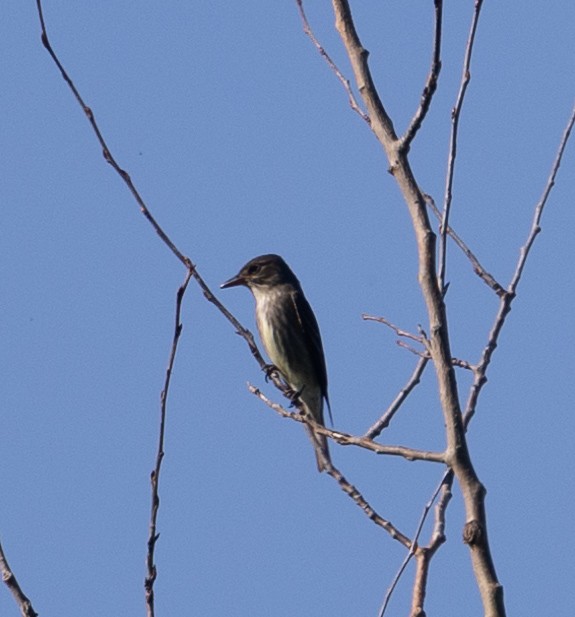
(507, 299)
(431, 83)
(416, 550)
(350, 490)
(396, 329)
(375, 429)
(186, 261)
(425, 554)
(191, 272)
(332, 65)
(381, 123)
(413, 350)
(345, 439)
(155, 475)
(458, 457)
(477, 267)
(24, 604)
(536, 225)
(432, 282)
(455, 115)
(105, 150)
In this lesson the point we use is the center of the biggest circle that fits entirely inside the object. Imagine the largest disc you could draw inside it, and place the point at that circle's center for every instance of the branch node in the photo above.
(473, 534)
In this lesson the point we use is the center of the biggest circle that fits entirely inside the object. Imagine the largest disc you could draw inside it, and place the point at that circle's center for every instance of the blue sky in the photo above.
(242, 142)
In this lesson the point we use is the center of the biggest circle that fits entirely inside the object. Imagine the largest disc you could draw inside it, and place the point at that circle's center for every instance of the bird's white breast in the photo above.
(265, 300)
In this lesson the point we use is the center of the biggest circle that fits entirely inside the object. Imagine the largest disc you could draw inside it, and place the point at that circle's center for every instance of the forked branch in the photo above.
(345, 439)
(432, 287)
(346, 486)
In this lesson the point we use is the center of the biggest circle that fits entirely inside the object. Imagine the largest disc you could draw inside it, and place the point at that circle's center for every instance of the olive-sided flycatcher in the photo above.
(290, 334)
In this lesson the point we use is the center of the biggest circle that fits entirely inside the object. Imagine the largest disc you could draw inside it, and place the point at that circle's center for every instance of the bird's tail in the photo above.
(321, 449)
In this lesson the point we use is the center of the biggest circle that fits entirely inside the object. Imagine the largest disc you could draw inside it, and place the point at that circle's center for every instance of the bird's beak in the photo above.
(234, 282)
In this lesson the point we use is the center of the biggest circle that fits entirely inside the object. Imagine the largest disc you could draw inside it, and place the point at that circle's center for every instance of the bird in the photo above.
(290, 335)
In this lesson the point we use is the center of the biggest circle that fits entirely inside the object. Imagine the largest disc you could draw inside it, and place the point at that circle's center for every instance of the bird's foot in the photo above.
(294, 395)
(268, 369)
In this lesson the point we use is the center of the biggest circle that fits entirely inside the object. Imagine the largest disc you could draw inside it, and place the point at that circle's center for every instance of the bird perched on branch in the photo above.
(290, 335)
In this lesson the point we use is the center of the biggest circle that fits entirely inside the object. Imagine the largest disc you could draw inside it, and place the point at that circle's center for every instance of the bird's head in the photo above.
(263, 271)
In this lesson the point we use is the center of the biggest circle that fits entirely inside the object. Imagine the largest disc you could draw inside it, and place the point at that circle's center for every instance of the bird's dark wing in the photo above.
(310, 328)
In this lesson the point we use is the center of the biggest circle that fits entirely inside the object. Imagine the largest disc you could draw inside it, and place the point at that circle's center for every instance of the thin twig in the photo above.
(425, 554)
(396, 329)
(243, 332)
(387, 416)
(506, 301)
(155, 475)
(190, 272)
(209, 295)
(345, 439)
(24, 604)
(455, 116)
(105, 150)
(415, 352)
(430, 84)
(379, 120)
(536, 228)
(350, 490)
(463, 364)
(481, 272)
(438, 535)
(332, 471)
(425, 354)
(414, 548)
(332, 65)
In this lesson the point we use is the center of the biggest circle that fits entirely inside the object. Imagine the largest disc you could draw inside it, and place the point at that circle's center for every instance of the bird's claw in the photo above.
(294, 395)
(268, 369)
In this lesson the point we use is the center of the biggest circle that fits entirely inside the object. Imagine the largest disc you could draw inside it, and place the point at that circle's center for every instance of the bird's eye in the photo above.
(254, 268)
